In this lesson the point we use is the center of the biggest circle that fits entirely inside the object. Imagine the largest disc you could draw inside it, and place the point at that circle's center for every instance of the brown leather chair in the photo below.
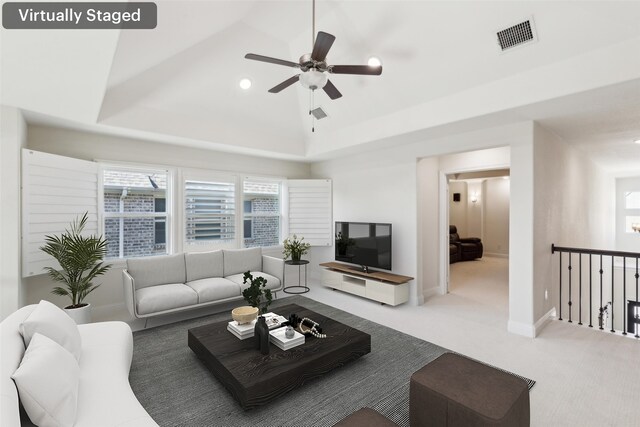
(469, 248)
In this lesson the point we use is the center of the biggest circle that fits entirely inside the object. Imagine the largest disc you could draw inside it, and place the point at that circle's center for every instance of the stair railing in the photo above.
(606, 309)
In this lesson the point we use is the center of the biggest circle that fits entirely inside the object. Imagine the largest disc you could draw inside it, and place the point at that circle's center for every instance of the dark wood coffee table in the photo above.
(255, 379)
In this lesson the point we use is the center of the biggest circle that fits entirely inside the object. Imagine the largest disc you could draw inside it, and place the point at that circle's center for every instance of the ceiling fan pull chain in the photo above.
(313, 118)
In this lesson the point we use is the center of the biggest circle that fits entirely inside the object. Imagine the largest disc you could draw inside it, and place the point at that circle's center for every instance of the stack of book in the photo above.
(278, 339)
(274, 320)
(243, 331)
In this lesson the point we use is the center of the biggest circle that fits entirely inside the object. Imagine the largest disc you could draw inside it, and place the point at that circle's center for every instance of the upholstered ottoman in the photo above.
(456, 391)
(366, 417)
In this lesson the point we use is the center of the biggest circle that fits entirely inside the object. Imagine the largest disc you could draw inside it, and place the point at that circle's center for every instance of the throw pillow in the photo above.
(52, 322)
(47, 382)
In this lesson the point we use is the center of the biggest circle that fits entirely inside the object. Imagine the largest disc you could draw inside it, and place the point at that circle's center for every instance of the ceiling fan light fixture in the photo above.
(313, 79)
(245, 84)
(374, 61)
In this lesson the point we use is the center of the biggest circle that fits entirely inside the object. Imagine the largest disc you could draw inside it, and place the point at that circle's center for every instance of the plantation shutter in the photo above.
(55, 191)
(310, 210)
(210, 211)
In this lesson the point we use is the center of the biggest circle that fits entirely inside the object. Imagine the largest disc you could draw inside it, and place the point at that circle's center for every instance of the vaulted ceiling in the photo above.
(441, 67)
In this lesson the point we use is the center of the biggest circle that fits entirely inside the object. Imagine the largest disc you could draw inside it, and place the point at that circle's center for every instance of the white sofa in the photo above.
(172, 283)
(105, 397)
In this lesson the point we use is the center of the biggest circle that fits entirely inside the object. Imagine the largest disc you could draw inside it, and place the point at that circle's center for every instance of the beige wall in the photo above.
(495, 202)
(573, 207)
(458, 214)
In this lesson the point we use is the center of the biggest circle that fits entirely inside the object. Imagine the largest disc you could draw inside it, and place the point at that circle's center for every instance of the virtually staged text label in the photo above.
(42, 16)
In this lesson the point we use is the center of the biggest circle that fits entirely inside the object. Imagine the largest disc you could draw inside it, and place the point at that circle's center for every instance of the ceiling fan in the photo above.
(314, 66)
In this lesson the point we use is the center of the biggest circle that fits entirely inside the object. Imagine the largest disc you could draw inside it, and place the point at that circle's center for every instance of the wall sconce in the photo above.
(474, 197)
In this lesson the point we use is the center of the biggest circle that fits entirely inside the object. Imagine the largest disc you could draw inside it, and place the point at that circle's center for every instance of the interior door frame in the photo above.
(443, 202)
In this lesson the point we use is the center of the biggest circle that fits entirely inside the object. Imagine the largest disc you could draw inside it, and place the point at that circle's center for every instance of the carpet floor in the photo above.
(177, 390)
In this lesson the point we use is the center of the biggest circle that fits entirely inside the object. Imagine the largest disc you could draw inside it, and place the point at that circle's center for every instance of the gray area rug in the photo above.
(177, 390)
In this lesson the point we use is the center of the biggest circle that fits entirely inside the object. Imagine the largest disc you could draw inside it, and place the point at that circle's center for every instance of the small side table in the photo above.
(299, 289)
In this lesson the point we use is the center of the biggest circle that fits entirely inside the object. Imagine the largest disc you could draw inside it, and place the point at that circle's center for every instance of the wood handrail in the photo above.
(555, 249)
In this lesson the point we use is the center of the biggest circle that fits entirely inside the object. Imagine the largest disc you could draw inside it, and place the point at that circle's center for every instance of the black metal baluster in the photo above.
(570, 303)
(612, 272)
(601, 322)
(637, 275)
(580, 289)
(590, 294)
(624, 295)
(560, 301)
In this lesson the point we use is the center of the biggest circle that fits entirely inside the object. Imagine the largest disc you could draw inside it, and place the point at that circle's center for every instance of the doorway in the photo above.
(478, 249)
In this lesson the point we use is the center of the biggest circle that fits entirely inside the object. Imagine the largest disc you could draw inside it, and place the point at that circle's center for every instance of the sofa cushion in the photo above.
(153, 299)
(214, 288)
(272, 281)
(47, 381)
(241, 260)
(202, 265)
(107, 348)
(157, 270)
(52, 322)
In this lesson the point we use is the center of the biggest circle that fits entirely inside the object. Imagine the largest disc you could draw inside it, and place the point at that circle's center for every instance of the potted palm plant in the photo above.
(295, 248)
(80, 258)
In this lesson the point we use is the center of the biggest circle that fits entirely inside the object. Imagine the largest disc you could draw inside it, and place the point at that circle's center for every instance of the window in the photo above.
(209, 211)
(135, 212)
(262, 217)
(628, 214)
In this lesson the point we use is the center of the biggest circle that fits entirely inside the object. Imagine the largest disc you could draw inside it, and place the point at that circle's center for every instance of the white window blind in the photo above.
(210, 211)
(55, 191)
(310, 210)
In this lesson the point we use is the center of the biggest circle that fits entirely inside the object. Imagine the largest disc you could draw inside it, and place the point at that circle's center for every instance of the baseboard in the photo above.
(495, 255)
(531, 331)
(415, 301)
(523, 329)
(431, 292)
(544, 321)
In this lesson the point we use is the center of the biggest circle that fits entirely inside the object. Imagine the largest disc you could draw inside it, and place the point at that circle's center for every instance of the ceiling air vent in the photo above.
(517, 35)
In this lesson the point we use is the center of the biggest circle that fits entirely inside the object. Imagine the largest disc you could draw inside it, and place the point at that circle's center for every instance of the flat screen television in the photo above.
(367, 244)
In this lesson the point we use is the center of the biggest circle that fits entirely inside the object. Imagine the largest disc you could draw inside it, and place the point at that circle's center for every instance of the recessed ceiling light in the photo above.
(374, 62)
(637, 141)
(245, 84)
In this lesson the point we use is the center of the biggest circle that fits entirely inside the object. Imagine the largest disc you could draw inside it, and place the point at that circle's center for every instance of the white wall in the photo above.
(13, 136)
(495, 194)
(383, 186)
(574, 200)
(109, 296)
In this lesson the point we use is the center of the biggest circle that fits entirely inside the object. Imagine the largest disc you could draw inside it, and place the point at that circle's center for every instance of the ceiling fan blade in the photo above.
(331, 90)
(285, 84)
(272, 60)
(356, 69)
(324, 41)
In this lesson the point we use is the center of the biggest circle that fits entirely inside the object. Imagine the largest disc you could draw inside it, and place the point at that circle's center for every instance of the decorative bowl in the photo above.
(244, 314)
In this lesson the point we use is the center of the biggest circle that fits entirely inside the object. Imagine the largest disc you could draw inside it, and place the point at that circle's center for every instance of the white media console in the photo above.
(386, 288)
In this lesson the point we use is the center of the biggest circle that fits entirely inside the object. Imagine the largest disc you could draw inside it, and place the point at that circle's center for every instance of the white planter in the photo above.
(80, 315)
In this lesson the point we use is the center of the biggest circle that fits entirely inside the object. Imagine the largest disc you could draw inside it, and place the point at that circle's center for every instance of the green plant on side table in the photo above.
(257, 295)
(295, 248)
(80, 258)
